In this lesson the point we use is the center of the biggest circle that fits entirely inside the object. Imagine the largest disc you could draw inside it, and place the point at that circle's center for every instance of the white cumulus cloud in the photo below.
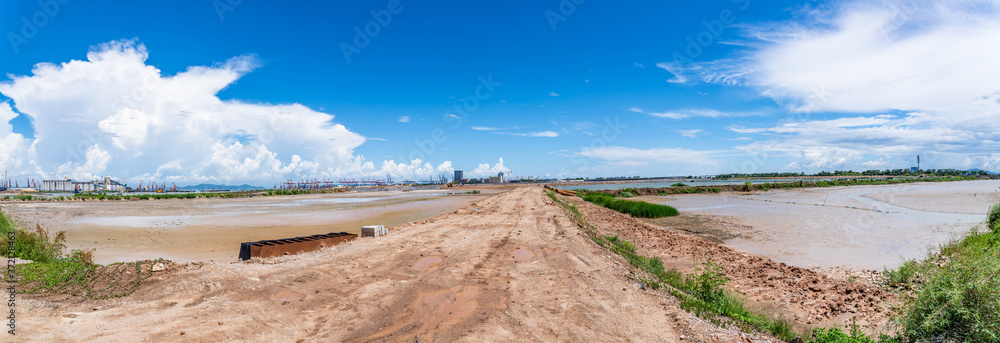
(114, 115)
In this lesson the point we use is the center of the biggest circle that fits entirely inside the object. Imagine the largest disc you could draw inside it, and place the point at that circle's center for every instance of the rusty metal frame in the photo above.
(291, 246)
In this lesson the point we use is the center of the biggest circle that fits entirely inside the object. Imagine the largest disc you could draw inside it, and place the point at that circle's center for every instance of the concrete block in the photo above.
(374, 231)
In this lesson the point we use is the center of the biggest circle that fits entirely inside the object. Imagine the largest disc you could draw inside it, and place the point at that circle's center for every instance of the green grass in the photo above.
(628, 192)
(702, 293)
(158, 196)
(634, 208)
(905, 276)
(954, 295)
(76, 276)
(476, 191)
(53, 273)
(993, 218)
(960, 299)
(287, 192)
(35, 245)
(802, 184)
(837, 335)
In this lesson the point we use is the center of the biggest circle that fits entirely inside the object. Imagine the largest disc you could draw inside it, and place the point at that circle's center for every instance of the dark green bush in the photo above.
(634, 208)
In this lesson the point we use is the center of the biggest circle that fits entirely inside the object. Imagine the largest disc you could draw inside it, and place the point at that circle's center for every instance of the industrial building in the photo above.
(58, 185)
(67, 185)
(497, 179)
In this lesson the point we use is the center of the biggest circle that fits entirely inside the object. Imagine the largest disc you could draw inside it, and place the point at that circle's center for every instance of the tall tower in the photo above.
(918, 163)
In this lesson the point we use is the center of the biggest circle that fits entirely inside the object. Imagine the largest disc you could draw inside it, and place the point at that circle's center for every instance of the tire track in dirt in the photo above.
(367, 290)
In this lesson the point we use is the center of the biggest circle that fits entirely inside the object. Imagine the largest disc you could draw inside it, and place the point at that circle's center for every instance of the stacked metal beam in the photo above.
(291, 246)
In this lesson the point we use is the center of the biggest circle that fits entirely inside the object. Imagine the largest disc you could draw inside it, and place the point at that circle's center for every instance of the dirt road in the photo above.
(509, 268)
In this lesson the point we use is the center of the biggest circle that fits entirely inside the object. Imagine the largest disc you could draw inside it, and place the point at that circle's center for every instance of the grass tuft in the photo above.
(960, 299)
(994, 218)
(634, 208)
(37, 245)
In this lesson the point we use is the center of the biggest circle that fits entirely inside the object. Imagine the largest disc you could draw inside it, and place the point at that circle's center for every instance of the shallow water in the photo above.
(669, 184)
(211, 229)
(839, 226)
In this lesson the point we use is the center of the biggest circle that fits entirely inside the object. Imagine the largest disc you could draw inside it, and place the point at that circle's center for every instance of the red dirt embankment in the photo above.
(807, 297)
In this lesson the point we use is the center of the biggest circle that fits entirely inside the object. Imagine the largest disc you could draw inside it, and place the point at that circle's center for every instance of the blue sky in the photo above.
(248, 91)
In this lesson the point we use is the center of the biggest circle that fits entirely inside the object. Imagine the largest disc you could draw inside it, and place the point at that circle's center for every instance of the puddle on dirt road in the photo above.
(523, 253)
(428, 264)
(435, 312)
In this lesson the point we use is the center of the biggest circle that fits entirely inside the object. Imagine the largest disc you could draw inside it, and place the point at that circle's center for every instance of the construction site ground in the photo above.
(512, 267)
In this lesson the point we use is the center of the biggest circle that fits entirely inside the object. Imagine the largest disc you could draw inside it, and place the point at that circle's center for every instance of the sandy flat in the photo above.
(185, 230)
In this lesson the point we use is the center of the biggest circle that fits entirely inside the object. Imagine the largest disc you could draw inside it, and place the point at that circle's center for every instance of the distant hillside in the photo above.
(208, 186)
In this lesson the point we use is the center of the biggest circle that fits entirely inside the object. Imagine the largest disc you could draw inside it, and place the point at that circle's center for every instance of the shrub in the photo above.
(710, 282)
(30, 245)
(994, 218)
(904, 276)
(628, 192)
(679, 184)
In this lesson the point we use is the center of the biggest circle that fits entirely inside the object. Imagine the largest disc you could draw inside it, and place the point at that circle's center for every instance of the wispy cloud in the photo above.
(866, 56)
(550, 134)
(691, 133)
(669, 158)
(489, 128)
(404, 119)
(553, 94)
(698, 113)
